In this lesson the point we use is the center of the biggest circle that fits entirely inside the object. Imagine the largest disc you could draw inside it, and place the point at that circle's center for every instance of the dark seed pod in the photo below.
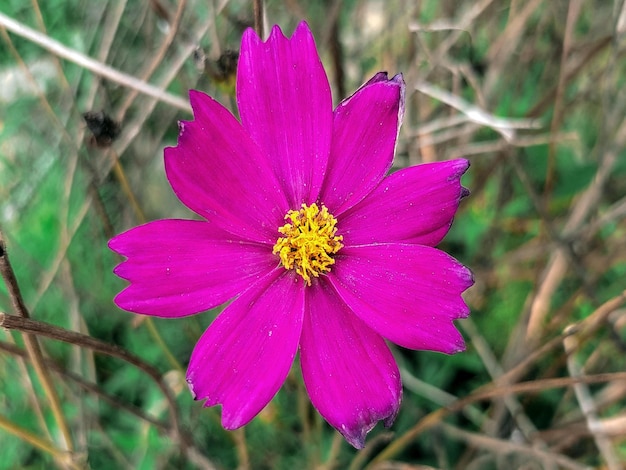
(104, 129)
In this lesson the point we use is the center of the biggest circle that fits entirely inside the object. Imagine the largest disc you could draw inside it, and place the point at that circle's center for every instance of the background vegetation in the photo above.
(532, 92)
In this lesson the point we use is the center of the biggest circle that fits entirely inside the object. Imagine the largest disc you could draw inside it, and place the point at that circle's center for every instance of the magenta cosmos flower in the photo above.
(319, 251)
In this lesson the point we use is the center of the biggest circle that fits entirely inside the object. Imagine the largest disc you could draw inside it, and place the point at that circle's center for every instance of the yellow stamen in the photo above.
(309, 241)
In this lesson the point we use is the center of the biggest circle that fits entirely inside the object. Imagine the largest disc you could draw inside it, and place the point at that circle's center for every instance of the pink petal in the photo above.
(414, 205)
(349, 372)
(181, 267)
(285, 104)
(220, 173)
(244, 357)
(365, 130)
(409, 294)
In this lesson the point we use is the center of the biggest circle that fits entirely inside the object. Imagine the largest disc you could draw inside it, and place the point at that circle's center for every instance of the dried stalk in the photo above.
(26, 325)
(94, 66)
(33, 347)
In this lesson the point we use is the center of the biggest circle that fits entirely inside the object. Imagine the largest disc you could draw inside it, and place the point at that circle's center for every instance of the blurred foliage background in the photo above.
(531, 92)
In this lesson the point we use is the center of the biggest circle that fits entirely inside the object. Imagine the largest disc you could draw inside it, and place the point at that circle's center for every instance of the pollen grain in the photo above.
(309, 241)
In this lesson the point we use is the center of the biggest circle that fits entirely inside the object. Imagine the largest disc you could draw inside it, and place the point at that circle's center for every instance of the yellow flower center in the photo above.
(309, 241)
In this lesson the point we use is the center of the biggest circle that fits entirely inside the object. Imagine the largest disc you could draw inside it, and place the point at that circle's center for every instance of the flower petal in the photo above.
(182, 267)
(220, 173)
(244, 357)
(349, 372)
(414, 205)
(285, 104)
(409, 294)
(365, 130)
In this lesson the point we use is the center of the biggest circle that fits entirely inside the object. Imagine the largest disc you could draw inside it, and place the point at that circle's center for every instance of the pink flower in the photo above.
(318, 250)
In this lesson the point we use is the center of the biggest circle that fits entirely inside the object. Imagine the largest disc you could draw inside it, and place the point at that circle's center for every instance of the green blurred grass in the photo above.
(523, 194)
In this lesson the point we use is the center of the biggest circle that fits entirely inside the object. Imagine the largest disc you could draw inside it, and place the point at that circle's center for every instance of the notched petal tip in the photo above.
(460, 347)
(250, 39)
(276, 34)
(467, 276)
(378, 77)
(303, 28)
(122, 302)
(383, 76)
(230, 422)
(348, 369)
(464, 165)
(113, 244)
(231, 426)
(399, 79)
(194, 395)
(242, 359)
(120, 269)
(356, 433)
(396, 80)
(202, 105)
(356, 437)
(388, 422)
(472, 279)
(285, 106)
(122, 243)
(181, 129)
(195, 95)
(365, 132)
(196, 98)
(460, 167)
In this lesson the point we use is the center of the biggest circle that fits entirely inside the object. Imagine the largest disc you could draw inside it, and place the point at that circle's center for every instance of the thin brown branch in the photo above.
(94, 66)
(241, 447)
(39, 328)
(257, 6)
(157, 58)
(484, 393)
(8, 275)
(193, 454)
(557, 116)
(500, 447)
(332, 36)
(588, 407)
(32, 345)
(585, 328)
(333, 453)
(546, 100)
(121, 145)
(87, 386)
(556, 267)
(42, 444)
